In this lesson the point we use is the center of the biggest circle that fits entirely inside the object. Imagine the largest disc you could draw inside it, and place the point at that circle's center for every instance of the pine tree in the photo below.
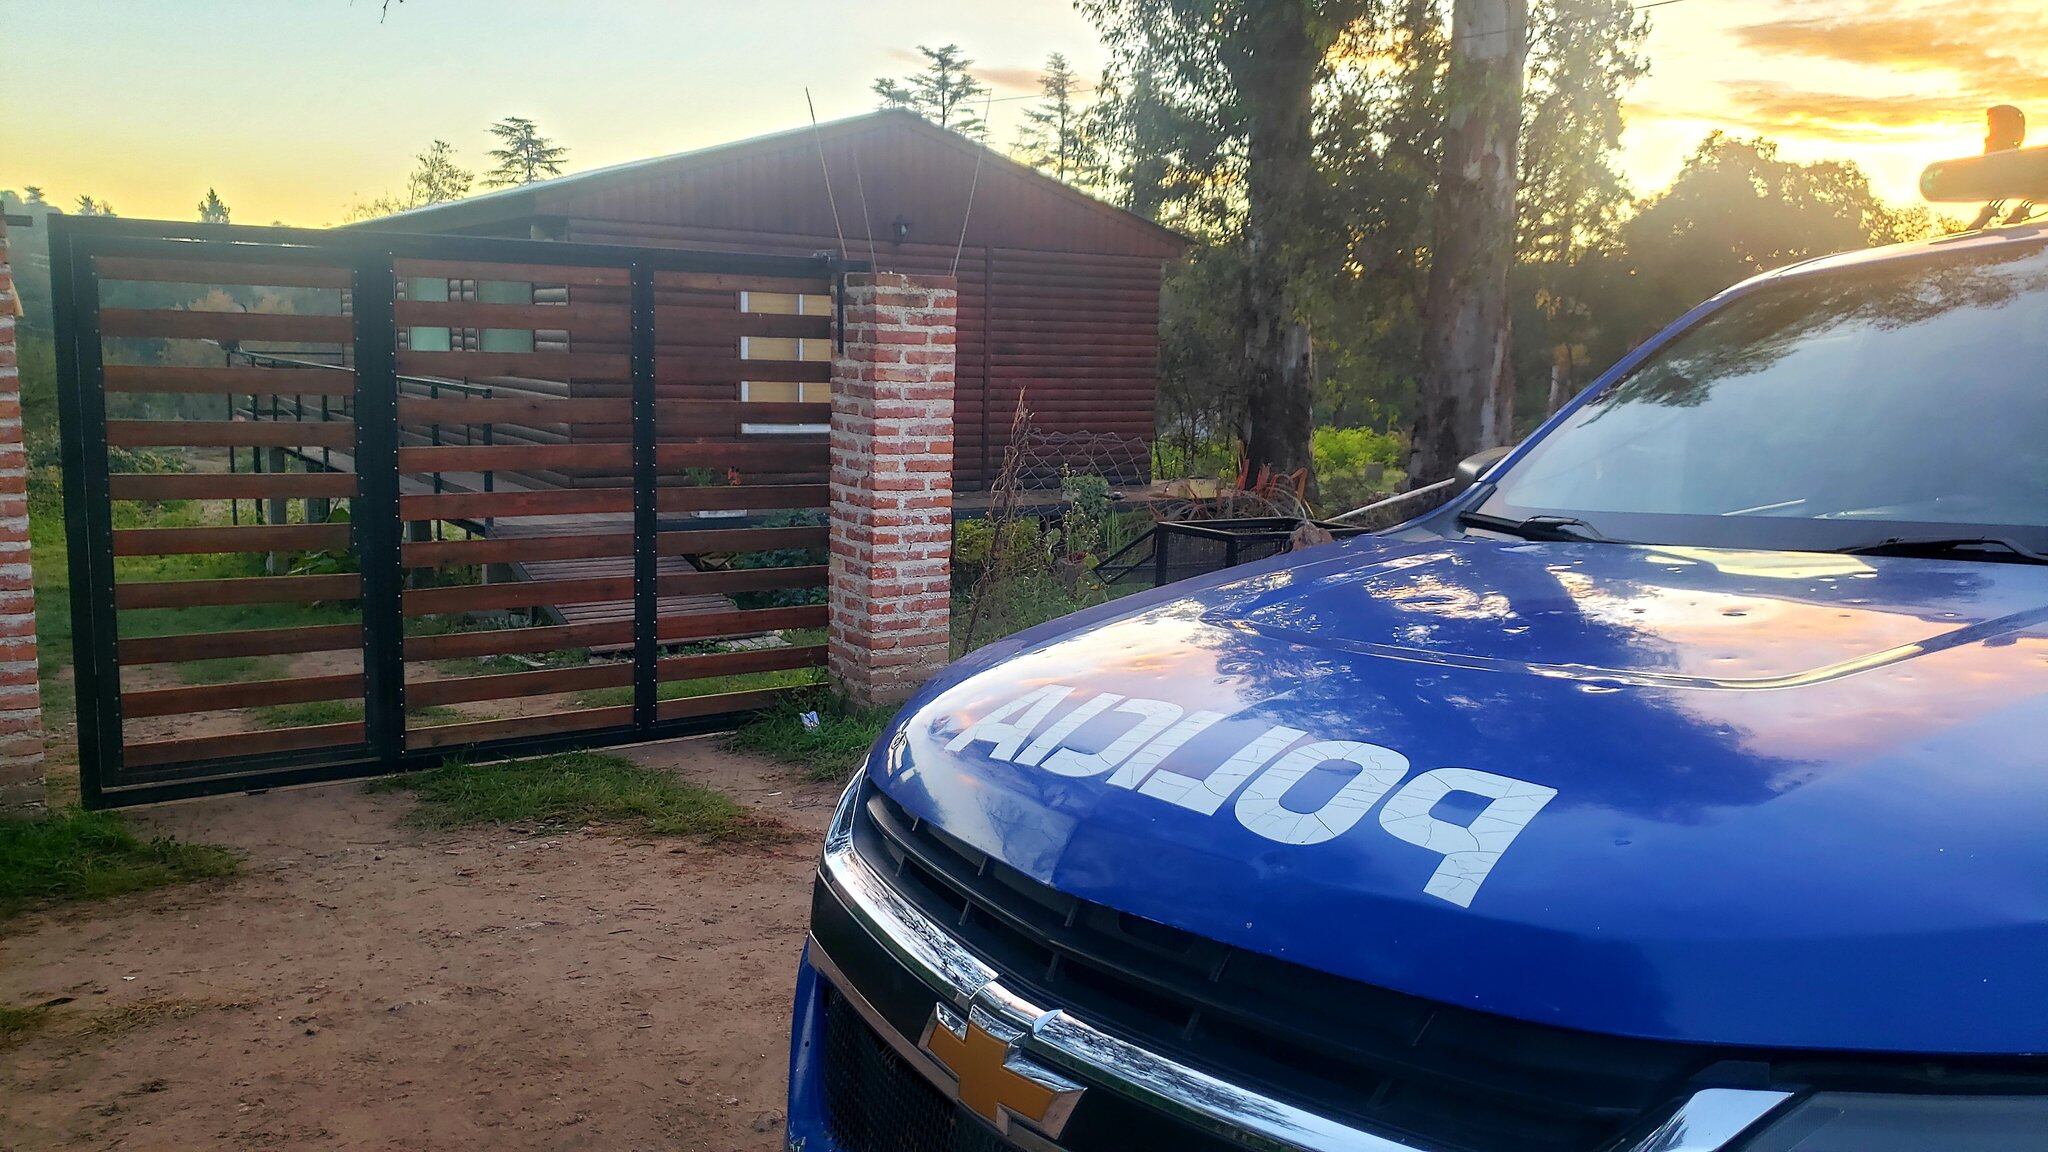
(87, 206)
(438, 177)
(213, 210)
(944, 93)
(34, 192)
(526, 155)
(1057, 138)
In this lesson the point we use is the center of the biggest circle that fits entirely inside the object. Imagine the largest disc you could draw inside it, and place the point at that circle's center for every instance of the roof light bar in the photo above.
(2018, 174)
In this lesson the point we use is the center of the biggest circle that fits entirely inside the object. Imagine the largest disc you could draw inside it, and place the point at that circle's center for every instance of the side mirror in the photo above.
(1472, 467)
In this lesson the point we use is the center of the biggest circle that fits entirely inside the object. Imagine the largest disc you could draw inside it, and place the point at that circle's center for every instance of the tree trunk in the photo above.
(1277, 79)
(1467, 400)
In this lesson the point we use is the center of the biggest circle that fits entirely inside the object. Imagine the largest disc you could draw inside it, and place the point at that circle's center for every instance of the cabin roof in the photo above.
(609, 192)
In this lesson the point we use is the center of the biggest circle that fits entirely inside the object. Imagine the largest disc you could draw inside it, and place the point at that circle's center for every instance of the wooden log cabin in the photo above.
(1059, 292)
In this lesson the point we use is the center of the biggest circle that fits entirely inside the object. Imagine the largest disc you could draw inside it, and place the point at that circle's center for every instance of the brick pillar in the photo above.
(892, 487)
(21, 718)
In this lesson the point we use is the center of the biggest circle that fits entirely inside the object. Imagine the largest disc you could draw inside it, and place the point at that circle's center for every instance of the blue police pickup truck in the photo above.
(1680, 785)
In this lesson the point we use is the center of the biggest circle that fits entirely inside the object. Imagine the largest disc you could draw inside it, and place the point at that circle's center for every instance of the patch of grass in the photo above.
(146, 1014)
(18, 1024)
(231, 669)
(830, 751)
(75, 855)
(572, 789)
(308, 713)
(708, 686)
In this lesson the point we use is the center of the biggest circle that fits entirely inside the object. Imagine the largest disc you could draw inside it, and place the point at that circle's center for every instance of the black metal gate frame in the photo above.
(88, 514)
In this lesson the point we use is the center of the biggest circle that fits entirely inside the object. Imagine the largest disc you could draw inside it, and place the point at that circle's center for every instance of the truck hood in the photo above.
(1775, 799)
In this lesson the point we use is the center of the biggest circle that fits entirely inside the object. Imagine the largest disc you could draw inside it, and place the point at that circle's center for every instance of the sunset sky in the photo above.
(295, 108)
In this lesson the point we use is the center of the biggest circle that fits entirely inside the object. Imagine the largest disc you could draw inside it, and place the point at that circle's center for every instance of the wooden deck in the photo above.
(599, 567)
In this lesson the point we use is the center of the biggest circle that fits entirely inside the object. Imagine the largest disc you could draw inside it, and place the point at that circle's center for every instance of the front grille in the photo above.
(1439, 1076)
(876, 1102)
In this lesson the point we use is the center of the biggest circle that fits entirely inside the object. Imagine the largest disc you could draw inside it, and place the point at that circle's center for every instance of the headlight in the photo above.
(1884, 1122)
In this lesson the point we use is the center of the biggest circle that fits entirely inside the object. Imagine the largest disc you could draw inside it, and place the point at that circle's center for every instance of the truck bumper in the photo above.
(806, 1130)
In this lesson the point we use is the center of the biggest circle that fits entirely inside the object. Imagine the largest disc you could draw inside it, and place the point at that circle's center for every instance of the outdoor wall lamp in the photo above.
(901, 227)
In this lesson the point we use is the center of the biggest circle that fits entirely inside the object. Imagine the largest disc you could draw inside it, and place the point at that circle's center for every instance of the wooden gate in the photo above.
(345, 503)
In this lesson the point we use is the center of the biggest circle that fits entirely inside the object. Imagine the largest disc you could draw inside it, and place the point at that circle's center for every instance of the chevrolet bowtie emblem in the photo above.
(996, 1081)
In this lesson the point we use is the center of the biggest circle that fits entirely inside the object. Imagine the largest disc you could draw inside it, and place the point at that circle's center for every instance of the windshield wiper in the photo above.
(1945, 546)
(1539, 527)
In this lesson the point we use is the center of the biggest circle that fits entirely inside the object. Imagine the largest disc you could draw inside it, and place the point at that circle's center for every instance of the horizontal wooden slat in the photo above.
(742, 496)
(260, 642)
(559, 637)
(724, 417)
(467, 410)
(481, 505)
(252, 694)
(727, 581)
(269, 275)
(505, 457)
(781, 454)
(709, 625)
(672, 369)
(528, 594)
(514, 641)
(245, 590)
(545, 365)
(537, 593)
(538, 274)
(704, 324)
(446, 735)
(147, 753)
(589, 321)
(179, 324)
(740, 663)
(226, 433)
(753, 701)
(229, 381)
(517, 549)
(545, 682)
(696, 542)
(255, 538)
(230, 486)
(737, 282)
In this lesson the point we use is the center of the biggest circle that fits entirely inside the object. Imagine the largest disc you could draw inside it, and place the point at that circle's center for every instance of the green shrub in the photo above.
(829, 750)
(71, 854)
(1354, 465)
(575, 788)
(974, 548)
(782, 558)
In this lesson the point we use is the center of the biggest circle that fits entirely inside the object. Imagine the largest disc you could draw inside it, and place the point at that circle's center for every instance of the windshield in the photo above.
(1831, 411)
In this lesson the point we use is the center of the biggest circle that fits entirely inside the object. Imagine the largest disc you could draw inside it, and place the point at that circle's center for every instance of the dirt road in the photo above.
(367, 985)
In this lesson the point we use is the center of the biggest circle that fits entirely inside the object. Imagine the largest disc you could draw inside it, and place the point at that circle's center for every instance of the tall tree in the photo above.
(1572, 198)
(943, 93)
(33, 192)
(1057, 138)
(213, 210)
(87, 206)
(1467, 398)
(1255, 69)
(1736, 208)
(524, 155)
(437, 177)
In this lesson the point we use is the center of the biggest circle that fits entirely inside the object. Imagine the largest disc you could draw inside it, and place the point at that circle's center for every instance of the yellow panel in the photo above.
(785, 304)
(770, 348)
(785, 348)
(771, 391)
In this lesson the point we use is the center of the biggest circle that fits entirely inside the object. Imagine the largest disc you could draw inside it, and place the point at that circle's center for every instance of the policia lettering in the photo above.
(1262, 772)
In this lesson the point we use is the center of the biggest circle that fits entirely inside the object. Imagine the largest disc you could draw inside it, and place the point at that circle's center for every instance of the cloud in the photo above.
(1993, 52)
(1970, 53)
(1010, 79)
(1780, 105)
